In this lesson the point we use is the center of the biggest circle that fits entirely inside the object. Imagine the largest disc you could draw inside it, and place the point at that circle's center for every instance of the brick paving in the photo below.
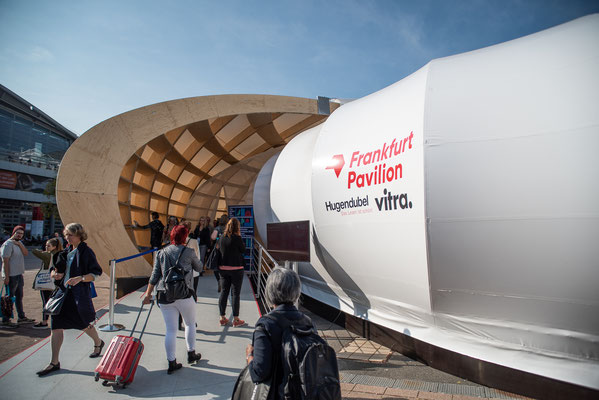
(351, 348)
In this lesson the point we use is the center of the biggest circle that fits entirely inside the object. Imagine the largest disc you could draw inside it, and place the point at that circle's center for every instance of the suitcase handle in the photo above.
(145, 323)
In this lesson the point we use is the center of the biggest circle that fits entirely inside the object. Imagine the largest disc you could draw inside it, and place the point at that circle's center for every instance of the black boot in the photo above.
(173, 366)
(192, 356)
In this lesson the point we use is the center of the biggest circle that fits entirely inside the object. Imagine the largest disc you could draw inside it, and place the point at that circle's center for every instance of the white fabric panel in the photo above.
(496, 257)
(512, 182)
(263, 213)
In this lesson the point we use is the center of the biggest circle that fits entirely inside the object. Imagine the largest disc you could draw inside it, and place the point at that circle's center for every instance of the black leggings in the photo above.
(45, 294)
(227, 279)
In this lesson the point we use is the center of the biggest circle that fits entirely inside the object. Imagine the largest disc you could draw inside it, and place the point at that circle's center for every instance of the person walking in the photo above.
(13, 254)
(203, 236)
(74, 268)
(53, 246)
(214, 237)
(165, 259)
(283, 289)
(232, 250)
(156, 230)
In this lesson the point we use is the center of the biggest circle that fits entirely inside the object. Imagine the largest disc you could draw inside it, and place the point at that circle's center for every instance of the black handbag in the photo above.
(214, 259)
(56, 300)
(245, 389)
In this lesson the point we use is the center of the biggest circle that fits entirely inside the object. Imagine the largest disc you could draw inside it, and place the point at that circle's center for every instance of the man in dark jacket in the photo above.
(156, 229)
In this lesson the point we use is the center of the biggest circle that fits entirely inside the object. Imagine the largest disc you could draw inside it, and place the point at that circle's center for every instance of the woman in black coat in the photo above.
(283, 289)
(75, 267)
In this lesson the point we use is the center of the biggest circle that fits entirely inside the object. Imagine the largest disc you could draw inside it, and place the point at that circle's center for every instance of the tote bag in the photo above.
(6, 303)
(245, 389)
(43, 281)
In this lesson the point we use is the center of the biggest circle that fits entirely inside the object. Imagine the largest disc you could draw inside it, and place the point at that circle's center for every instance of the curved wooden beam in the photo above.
(105, 170)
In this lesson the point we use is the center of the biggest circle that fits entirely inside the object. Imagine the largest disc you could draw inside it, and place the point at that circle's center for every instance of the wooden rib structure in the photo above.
(188, 158)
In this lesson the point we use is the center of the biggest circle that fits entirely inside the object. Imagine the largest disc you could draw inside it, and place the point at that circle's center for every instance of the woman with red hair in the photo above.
(176, 254)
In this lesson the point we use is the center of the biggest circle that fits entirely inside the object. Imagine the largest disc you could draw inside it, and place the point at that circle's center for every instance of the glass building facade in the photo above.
(20, 136)
(31, 147)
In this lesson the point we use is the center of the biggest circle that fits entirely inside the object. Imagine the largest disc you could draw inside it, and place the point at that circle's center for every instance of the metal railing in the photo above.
(263, 263)
(111, 326)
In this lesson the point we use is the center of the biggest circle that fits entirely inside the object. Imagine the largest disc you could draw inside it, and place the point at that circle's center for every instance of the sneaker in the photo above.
(238, 323)
(224, 322)
(8, 324)
(25, 320)
(40, 325)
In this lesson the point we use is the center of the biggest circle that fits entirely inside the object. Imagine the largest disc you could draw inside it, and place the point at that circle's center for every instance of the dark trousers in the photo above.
(45, 294)
(227, 279)
(15, 288)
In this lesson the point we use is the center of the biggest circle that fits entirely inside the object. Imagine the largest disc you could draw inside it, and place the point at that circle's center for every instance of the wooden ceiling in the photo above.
(188, 158)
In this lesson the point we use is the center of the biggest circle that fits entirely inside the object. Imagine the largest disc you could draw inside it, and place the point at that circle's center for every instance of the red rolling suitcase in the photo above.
(120, 361)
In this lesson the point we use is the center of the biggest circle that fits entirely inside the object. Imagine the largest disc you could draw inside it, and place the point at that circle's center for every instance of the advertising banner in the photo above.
(21, 181)
(368, 193)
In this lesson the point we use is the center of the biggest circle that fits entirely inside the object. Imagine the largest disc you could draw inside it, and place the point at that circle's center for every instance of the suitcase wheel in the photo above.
(105, 383)
(97, 377)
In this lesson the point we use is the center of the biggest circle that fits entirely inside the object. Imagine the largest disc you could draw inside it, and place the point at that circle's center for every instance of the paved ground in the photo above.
(368, 370)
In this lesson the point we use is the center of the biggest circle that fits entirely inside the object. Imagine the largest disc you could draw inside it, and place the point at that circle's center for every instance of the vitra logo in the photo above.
(372, 165)
(390, 201)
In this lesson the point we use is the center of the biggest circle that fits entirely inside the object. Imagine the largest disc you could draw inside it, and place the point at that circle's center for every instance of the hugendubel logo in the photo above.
(374, 169)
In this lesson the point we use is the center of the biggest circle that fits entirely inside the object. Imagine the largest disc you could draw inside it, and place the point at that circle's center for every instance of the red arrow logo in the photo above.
(337, 164)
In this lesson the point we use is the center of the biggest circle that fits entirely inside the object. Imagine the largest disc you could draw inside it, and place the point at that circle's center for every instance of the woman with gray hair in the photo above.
(283, 289)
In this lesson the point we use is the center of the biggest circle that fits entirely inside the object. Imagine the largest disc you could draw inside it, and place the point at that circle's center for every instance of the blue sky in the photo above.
(82, 61)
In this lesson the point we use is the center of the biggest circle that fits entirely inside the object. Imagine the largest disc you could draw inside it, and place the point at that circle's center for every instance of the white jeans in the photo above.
(170, 313)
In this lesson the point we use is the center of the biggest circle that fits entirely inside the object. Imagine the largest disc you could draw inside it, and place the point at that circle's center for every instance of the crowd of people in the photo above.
(74, 268)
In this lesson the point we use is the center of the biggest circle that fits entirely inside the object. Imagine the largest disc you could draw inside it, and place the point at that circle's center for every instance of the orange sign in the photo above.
(8, 179)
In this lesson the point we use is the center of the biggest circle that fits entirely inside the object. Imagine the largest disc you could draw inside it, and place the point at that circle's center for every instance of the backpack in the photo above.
(310, 370)
(175, 287)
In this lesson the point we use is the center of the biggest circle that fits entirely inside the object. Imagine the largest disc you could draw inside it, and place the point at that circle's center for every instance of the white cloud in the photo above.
(39, 54)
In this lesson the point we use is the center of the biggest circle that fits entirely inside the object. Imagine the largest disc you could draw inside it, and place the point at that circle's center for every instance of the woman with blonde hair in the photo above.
(232, 250)
(53, 246)
(75, 268)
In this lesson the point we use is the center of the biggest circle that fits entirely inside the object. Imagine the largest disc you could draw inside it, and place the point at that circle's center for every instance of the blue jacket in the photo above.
(267, 344)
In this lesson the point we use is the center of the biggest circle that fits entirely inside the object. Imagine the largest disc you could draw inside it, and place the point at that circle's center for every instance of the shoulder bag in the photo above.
(214, 259)
(54, 304)
(245, 389)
